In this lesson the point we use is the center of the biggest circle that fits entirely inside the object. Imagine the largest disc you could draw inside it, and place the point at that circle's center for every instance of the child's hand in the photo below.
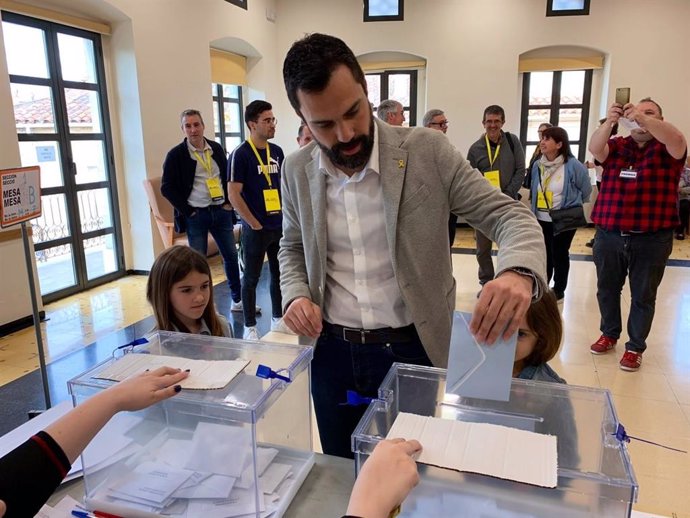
(386, 478)
(146, 388)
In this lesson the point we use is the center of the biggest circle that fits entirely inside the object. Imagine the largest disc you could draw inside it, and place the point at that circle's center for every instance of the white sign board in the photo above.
(21, 195)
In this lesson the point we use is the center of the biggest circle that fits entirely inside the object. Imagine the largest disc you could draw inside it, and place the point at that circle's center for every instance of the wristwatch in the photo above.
(536, 282)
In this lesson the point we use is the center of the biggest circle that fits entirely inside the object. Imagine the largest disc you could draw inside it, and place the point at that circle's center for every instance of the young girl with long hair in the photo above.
(180, 291)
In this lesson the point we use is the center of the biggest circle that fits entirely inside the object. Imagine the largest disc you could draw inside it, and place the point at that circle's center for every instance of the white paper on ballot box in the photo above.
(219, 449)
(151, 482)
(482, 448)
(203, 374)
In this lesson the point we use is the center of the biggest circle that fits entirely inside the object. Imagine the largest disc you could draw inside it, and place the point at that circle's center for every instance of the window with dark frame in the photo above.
(399, 85)
(567, 7)
(383, 10)
(561, 98)
(238, 3)
(228, 115)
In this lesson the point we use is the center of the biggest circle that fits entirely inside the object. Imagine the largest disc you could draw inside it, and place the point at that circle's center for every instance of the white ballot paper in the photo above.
(487, 449)
(203, 375)
(219, 449)
(151, 482)
(628, 124)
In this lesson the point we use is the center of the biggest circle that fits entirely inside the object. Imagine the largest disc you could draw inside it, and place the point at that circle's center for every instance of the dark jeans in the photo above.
(219, 223)
(339, 366)
(255, 245)
(684, 216)
(486, 264)
(557, 255)
(640, 257)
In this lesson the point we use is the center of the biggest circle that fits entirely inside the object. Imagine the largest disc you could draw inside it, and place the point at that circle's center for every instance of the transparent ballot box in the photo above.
(595, 477)
(241, 450)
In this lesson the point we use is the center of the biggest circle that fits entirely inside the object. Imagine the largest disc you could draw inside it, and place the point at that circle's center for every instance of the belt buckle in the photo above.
(362, 334)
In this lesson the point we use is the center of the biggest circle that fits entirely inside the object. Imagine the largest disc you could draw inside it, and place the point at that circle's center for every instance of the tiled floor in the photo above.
(653, 403)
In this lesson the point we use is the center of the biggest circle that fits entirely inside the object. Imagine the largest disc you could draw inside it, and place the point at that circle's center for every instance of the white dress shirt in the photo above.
(361, 288)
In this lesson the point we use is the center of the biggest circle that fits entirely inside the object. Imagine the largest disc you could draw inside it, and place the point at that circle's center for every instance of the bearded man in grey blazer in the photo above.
(364, 255)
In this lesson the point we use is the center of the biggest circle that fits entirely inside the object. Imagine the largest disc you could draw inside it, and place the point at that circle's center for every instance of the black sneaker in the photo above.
(590, 243)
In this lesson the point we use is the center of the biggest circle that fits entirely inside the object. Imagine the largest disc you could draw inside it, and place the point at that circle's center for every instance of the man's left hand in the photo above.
(501, 307)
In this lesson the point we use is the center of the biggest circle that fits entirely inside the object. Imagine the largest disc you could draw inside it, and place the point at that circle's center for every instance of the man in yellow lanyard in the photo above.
(501, 159)
(254, 175)
(194, 182)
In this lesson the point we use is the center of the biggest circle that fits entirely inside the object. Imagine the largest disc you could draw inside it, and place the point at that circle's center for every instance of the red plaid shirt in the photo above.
(646, 203)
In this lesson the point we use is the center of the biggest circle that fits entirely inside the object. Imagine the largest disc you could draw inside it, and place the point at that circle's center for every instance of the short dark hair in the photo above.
(300, 130)
(254, 109)
(310, 62)
(494, 109)
(544, 319)
(559, 135)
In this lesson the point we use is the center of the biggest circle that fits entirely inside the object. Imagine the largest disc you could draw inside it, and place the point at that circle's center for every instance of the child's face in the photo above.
(526, 341)
(189, 296)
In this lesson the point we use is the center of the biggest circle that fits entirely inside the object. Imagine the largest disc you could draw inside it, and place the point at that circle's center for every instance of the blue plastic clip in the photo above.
(622, 436)
(354, 399)
(264, 371)
(128, 348)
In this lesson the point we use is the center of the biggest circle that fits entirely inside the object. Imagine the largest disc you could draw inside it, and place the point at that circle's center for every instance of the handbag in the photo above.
(567, 219)
(563, 220)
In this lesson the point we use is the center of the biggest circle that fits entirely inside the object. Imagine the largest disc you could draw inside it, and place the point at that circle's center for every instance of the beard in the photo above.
(352, 162)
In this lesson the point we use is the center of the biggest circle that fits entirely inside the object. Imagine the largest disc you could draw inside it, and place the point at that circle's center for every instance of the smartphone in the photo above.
(623, 96)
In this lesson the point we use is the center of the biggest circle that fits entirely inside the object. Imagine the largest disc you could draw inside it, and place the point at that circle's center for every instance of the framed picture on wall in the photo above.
(567, 7)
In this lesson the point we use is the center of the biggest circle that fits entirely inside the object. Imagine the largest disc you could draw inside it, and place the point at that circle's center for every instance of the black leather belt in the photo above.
(371, 336)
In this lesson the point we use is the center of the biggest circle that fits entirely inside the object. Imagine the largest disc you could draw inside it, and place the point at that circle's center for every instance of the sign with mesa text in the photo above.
(21, 195)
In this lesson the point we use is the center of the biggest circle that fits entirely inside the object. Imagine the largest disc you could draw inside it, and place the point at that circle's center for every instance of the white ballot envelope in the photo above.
(475, 369)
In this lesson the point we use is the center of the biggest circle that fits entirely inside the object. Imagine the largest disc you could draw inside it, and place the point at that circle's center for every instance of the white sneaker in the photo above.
(237, 306)
(250, 333)
(279, 326)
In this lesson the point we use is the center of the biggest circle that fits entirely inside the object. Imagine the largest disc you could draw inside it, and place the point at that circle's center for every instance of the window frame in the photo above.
(384, 18)
(550, 11)
(239, 3)
(218, 97)
(412, 108)
(555, 106)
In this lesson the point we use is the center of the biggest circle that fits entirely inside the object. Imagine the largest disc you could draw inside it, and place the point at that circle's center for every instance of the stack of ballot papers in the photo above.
(203, 374)
(210, 474)
(487, 449)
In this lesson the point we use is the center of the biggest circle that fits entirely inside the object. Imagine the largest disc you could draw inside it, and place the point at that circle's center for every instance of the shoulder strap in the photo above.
(509, 138)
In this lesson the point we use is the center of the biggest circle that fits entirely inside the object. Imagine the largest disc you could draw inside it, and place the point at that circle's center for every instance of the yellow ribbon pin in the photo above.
(401, 164)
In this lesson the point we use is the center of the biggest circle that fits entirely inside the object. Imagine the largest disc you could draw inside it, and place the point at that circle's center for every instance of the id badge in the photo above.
(494, 178)
(215, 189)
(628, 174)
(544, 202)
(272, 201)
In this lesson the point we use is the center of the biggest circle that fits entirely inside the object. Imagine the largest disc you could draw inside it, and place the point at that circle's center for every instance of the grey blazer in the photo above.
(423, 178)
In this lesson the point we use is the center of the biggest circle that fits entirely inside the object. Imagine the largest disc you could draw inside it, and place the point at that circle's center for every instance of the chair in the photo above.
(163, 214)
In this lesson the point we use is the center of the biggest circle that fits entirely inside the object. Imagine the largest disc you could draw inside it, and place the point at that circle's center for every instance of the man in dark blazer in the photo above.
(364, 256)
(195, 183)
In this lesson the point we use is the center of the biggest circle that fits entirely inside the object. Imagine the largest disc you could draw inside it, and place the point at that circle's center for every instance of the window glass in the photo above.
(572, 86)
(567, 5)
(540, 84)
(25, 48)
(384, 8)
(34, 110)
(76, 58)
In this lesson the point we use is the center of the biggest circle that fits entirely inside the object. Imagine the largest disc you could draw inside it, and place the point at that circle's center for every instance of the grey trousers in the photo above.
(486, 265)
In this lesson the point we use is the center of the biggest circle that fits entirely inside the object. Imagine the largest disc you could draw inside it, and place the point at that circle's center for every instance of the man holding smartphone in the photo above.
(635, 214)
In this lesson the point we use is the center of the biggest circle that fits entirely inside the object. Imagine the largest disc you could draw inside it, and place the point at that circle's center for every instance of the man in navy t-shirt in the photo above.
(254, 175)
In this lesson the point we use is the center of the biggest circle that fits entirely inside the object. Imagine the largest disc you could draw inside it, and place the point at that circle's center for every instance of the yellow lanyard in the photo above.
(264, 168)
(206, 161)
(488, 151)
(545, 181)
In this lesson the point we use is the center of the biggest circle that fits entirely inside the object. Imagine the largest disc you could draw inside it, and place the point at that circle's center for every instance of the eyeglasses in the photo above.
(270, 121)
(442, 124)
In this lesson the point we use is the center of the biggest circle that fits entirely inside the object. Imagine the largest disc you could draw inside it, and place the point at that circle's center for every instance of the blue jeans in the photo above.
(218, 222)
(339, 366)
(255, 245)
(640, 257)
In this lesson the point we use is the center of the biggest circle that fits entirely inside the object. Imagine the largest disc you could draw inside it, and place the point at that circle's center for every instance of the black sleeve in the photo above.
(30, 473)
(172, 183)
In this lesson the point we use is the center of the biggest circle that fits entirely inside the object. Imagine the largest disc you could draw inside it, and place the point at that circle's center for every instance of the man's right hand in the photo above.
(304, 317)
(615, 112)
